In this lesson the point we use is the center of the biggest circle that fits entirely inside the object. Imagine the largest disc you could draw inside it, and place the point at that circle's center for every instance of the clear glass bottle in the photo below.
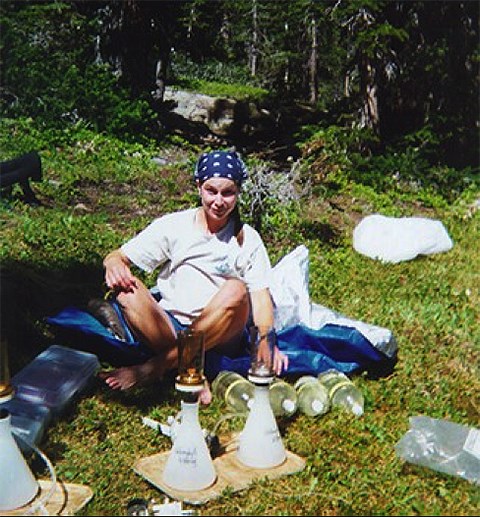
(342, 392)
(312, 396)
(235, 390)
(283, 398)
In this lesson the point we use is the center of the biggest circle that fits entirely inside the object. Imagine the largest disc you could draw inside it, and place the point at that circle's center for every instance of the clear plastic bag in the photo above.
(442, 446)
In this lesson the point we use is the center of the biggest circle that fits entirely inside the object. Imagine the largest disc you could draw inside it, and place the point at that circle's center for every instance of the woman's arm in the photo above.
(262, 313)
(262, 308)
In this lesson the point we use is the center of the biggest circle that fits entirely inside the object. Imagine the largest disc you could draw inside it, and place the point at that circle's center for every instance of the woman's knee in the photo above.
(135, 300)
(234, 293)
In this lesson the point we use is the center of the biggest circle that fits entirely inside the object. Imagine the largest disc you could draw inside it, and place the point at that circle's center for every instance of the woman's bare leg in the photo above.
(225, 316)
(148, 321)
(222, 320)
(151, 325)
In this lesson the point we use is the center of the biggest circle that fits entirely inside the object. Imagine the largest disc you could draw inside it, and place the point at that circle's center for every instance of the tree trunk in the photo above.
(254, 44)
(160, 78)
(313, 64)
(369, 116)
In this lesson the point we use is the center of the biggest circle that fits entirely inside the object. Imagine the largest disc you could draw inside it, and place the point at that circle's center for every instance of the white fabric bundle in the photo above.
(395, 239)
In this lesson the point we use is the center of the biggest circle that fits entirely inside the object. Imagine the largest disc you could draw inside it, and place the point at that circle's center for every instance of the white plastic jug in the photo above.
(189, 465)
(18, 485)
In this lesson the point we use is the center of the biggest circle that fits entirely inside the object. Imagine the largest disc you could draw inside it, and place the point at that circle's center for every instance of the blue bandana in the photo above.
(221, 164)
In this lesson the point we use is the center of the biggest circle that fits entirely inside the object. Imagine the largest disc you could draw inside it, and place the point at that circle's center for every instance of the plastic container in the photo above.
(313, 399)
(283, 398)
(28, 421)
(55, 376)
(342, 392)
(236, 391)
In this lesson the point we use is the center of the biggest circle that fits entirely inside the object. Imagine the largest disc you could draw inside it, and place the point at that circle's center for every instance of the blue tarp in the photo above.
(310, 351)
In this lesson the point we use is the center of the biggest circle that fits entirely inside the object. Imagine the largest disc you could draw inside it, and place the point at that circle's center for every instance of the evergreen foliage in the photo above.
(396, 68)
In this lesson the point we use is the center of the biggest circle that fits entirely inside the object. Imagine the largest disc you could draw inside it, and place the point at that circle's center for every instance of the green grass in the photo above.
(236, 91)
(51, 256)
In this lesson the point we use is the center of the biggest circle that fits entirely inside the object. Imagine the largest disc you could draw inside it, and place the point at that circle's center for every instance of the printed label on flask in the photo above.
(187, 456)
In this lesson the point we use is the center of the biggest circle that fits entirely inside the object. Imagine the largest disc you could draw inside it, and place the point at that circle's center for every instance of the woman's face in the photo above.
(219, 197)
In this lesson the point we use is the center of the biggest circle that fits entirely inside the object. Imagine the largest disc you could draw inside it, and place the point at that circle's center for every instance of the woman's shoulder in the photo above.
(178, 216)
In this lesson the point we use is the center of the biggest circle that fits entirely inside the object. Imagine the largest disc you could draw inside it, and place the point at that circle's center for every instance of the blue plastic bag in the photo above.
(82, 330)
(310, 351)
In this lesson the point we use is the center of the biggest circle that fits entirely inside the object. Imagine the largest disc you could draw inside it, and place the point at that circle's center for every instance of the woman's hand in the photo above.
(280, 361)
(118, 275)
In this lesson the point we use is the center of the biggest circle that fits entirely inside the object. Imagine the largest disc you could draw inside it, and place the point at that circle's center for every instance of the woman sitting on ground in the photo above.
(214, 274)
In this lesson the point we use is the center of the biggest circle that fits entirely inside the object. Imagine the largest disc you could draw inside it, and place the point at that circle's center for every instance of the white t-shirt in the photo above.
(194, 265)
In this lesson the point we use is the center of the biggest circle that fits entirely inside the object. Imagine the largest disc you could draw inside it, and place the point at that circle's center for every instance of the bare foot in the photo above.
(205, 396)
(129, 376)
(121, 378)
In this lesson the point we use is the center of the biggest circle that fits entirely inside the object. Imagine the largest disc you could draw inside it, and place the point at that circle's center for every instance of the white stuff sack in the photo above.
(395, 239)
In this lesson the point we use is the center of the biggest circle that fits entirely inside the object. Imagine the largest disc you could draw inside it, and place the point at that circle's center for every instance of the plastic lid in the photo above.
(54, 376)
(318, 406)
(260, 379)
(357, 410)
(288, 405)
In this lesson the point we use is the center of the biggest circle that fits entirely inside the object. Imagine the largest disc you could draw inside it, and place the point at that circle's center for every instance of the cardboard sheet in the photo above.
(67, 499)
(231, 473)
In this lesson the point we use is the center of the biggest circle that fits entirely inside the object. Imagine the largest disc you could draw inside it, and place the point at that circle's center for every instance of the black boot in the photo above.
(107, 316)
